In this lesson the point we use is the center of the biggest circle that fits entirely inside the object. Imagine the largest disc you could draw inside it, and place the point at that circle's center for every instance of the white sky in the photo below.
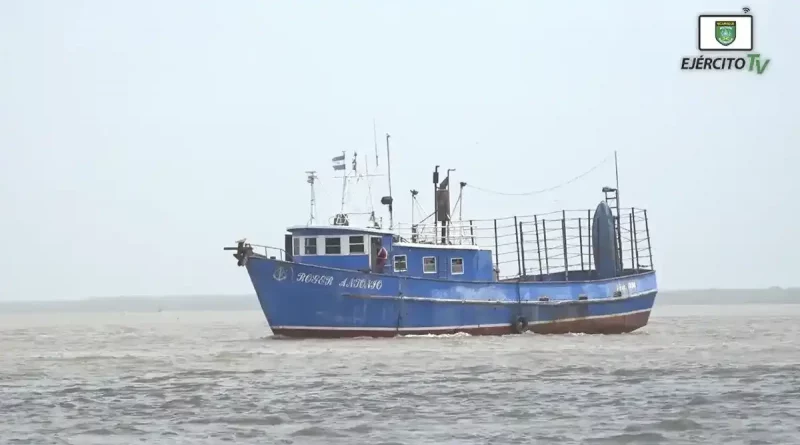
(139, 138)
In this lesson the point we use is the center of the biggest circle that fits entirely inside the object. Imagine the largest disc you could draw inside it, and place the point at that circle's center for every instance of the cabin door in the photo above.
(375, 245)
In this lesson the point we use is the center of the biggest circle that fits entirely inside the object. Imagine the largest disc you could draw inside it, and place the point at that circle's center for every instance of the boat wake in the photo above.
(455, 335)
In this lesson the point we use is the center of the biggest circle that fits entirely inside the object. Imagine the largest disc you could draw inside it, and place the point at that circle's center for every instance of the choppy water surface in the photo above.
(696, 374)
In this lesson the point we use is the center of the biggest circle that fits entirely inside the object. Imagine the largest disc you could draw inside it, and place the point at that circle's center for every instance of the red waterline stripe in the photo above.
(617, 324)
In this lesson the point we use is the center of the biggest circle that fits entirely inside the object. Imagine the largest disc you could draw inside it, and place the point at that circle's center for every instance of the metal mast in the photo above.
(388, 200)
(312, 177)
(344, 181)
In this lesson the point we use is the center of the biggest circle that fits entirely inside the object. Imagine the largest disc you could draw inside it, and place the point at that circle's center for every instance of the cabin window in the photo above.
(456, 266)
(310, 245)
(400, 263)
(357, 244)
(429, 264)
(333, 246)
(295, 246)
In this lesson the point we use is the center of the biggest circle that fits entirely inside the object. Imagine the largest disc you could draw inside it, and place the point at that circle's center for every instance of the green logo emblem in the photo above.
(725, 32)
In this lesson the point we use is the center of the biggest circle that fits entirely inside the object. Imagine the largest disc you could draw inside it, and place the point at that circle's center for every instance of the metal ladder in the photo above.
(612, 201)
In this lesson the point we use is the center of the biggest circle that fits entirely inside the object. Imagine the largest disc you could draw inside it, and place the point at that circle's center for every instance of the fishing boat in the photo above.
(587, 271)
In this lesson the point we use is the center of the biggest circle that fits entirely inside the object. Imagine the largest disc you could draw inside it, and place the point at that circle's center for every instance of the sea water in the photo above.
(694, 375)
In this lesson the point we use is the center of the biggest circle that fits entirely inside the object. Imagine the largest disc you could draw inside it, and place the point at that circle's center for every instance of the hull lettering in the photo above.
(312, 278)
(629, 287)
(361, 283)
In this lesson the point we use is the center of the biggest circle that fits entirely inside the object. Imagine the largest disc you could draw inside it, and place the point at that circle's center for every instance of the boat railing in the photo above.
(455, 233)
(269, 251)
(553, 247)
(549, 246)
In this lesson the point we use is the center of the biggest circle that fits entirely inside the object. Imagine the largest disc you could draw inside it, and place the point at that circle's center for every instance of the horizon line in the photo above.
(167, 296)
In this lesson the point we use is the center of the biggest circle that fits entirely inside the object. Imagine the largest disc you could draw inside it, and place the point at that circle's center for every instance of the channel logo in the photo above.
(725, 33)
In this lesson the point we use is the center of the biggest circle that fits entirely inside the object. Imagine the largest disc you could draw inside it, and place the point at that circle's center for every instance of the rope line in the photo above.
(536, 192)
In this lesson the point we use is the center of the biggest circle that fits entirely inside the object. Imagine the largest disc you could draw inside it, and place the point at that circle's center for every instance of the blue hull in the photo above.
(301, 300)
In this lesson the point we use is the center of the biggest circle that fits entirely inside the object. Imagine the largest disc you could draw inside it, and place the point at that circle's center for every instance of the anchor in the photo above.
(243, 251)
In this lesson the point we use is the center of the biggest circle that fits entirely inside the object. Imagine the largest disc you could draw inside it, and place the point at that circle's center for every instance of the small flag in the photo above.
(338, 163)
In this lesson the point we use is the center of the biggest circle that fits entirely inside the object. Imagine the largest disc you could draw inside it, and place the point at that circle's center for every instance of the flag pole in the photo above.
(389, 173)
(344, 181)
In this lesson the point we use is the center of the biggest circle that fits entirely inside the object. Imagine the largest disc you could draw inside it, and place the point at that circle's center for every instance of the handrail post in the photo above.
(546, 258)
(649, 248)
(471, 232)
(589, 232)
(630, 224)
(516, 237)
(522, 247)
(538, 248)
(580, 240)
(564, 243)
(496, 249)
(635, 241)
(619, 241)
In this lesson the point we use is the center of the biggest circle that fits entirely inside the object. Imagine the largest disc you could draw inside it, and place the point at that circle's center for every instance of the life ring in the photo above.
(520, 325)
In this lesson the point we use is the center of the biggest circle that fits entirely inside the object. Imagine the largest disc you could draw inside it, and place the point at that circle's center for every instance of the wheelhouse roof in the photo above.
(342, 229)
(402, 243)
(437, 246)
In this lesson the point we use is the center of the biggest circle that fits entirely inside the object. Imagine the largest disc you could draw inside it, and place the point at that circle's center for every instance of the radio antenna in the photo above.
(387, 200)
(375, 137)
(312, 177)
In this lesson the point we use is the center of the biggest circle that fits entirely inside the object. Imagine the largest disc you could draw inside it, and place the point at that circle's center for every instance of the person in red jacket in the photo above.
(382, 256)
